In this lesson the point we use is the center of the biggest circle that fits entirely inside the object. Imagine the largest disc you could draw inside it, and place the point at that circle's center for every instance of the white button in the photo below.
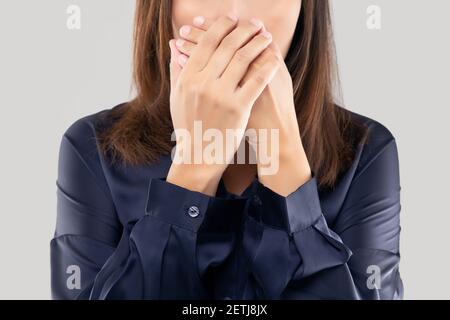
(194, 211)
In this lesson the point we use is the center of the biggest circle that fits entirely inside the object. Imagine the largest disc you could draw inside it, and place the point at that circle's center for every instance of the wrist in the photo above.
(199, 178)
(293, 171)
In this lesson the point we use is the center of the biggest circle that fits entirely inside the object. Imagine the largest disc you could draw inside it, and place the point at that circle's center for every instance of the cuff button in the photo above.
(193, 211)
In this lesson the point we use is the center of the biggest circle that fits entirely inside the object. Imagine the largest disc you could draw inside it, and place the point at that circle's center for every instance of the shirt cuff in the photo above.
(292, 231)
(296, 212)
(192, 210)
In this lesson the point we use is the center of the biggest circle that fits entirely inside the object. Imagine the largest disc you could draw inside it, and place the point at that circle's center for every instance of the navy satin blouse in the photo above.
(125, 233)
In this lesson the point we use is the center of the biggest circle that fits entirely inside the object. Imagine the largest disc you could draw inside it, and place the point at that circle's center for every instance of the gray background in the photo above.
(50, 76)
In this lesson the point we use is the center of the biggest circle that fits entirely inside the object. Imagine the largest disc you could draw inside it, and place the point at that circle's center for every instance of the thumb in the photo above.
(175, 67)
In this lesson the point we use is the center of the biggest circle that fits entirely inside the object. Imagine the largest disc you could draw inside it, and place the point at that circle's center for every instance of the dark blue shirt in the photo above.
(123, 232)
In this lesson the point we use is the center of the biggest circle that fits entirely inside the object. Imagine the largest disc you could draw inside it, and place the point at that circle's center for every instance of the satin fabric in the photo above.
(129, 233)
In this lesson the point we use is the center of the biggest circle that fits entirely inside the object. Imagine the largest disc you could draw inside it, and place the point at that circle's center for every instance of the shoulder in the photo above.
(380, 144)
(79, 155)
(84, 194)
(378, 134)
(376, 130)
(83, 132)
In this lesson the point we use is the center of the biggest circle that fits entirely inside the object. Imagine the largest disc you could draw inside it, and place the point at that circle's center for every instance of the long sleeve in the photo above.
(126, 233)
(176, 248)
(87, 228)
(293, 254)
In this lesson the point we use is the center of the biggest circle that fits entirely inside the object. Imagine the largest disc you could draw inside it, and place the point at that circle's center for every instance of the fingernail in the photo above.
(179, 43)
(182, 59)
(199, 21)
(267, 35)
(185, 30)
(258, 23)
(233, 16)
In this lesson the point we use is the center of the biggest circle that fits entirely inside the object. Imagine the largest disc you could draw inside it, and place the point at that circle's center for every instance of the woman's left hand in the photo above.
(282, 163)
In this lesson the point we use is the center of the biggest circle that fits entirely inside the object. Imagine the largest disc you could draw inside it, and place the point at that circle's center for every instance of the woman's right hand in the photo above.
(207, 89)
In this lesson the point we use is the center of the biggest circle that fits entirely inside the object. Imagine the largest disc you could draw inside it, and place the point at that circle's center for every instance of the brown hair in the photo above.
(142, 130)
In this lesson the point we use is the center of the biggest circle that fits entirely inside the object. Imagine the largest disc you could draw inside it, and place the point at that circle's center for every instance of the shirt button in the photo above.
(257, 200)
(193, 211)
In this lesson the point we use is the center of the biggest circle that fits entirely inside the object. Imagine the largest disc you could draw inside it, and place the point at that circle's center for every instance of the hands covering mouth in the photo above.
(230, 74)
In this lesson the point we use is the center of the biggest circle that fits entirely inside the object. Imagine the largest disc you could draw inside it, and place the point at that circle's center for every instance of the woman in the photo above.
(135, 224)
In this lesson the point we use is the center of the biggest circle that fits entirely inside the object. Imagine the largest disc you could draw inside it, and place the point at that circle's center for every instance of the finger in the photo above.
(245, 57)
(202, 23)
(190, 33)
(266, 69)
(231, 47)
(259, 61)
(175, 67)
(209, 42)
(185, 47)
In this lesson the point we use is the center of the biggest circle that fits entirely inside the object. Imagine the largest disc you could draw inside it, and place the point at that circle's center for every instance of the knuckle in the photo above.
(228, 43)
(207, 94)
(242, 55)
(260, 79)
(257, 64)
(231, 109)
(275, 61)
(221, 24)
(278, 59)
(248, 26)
(274, 56)
(208, 39)
(202, 92)
(222, 20)
(265, 55)
(269, 57)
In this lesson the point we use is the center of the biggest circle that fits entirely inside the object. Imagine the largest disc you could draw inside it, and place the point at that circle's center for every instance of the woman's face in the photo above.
(279, 16)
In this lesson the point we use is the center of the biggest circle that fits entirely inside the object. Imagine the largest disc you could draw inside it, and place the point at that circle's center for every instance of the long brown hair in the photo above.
(142, 130)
